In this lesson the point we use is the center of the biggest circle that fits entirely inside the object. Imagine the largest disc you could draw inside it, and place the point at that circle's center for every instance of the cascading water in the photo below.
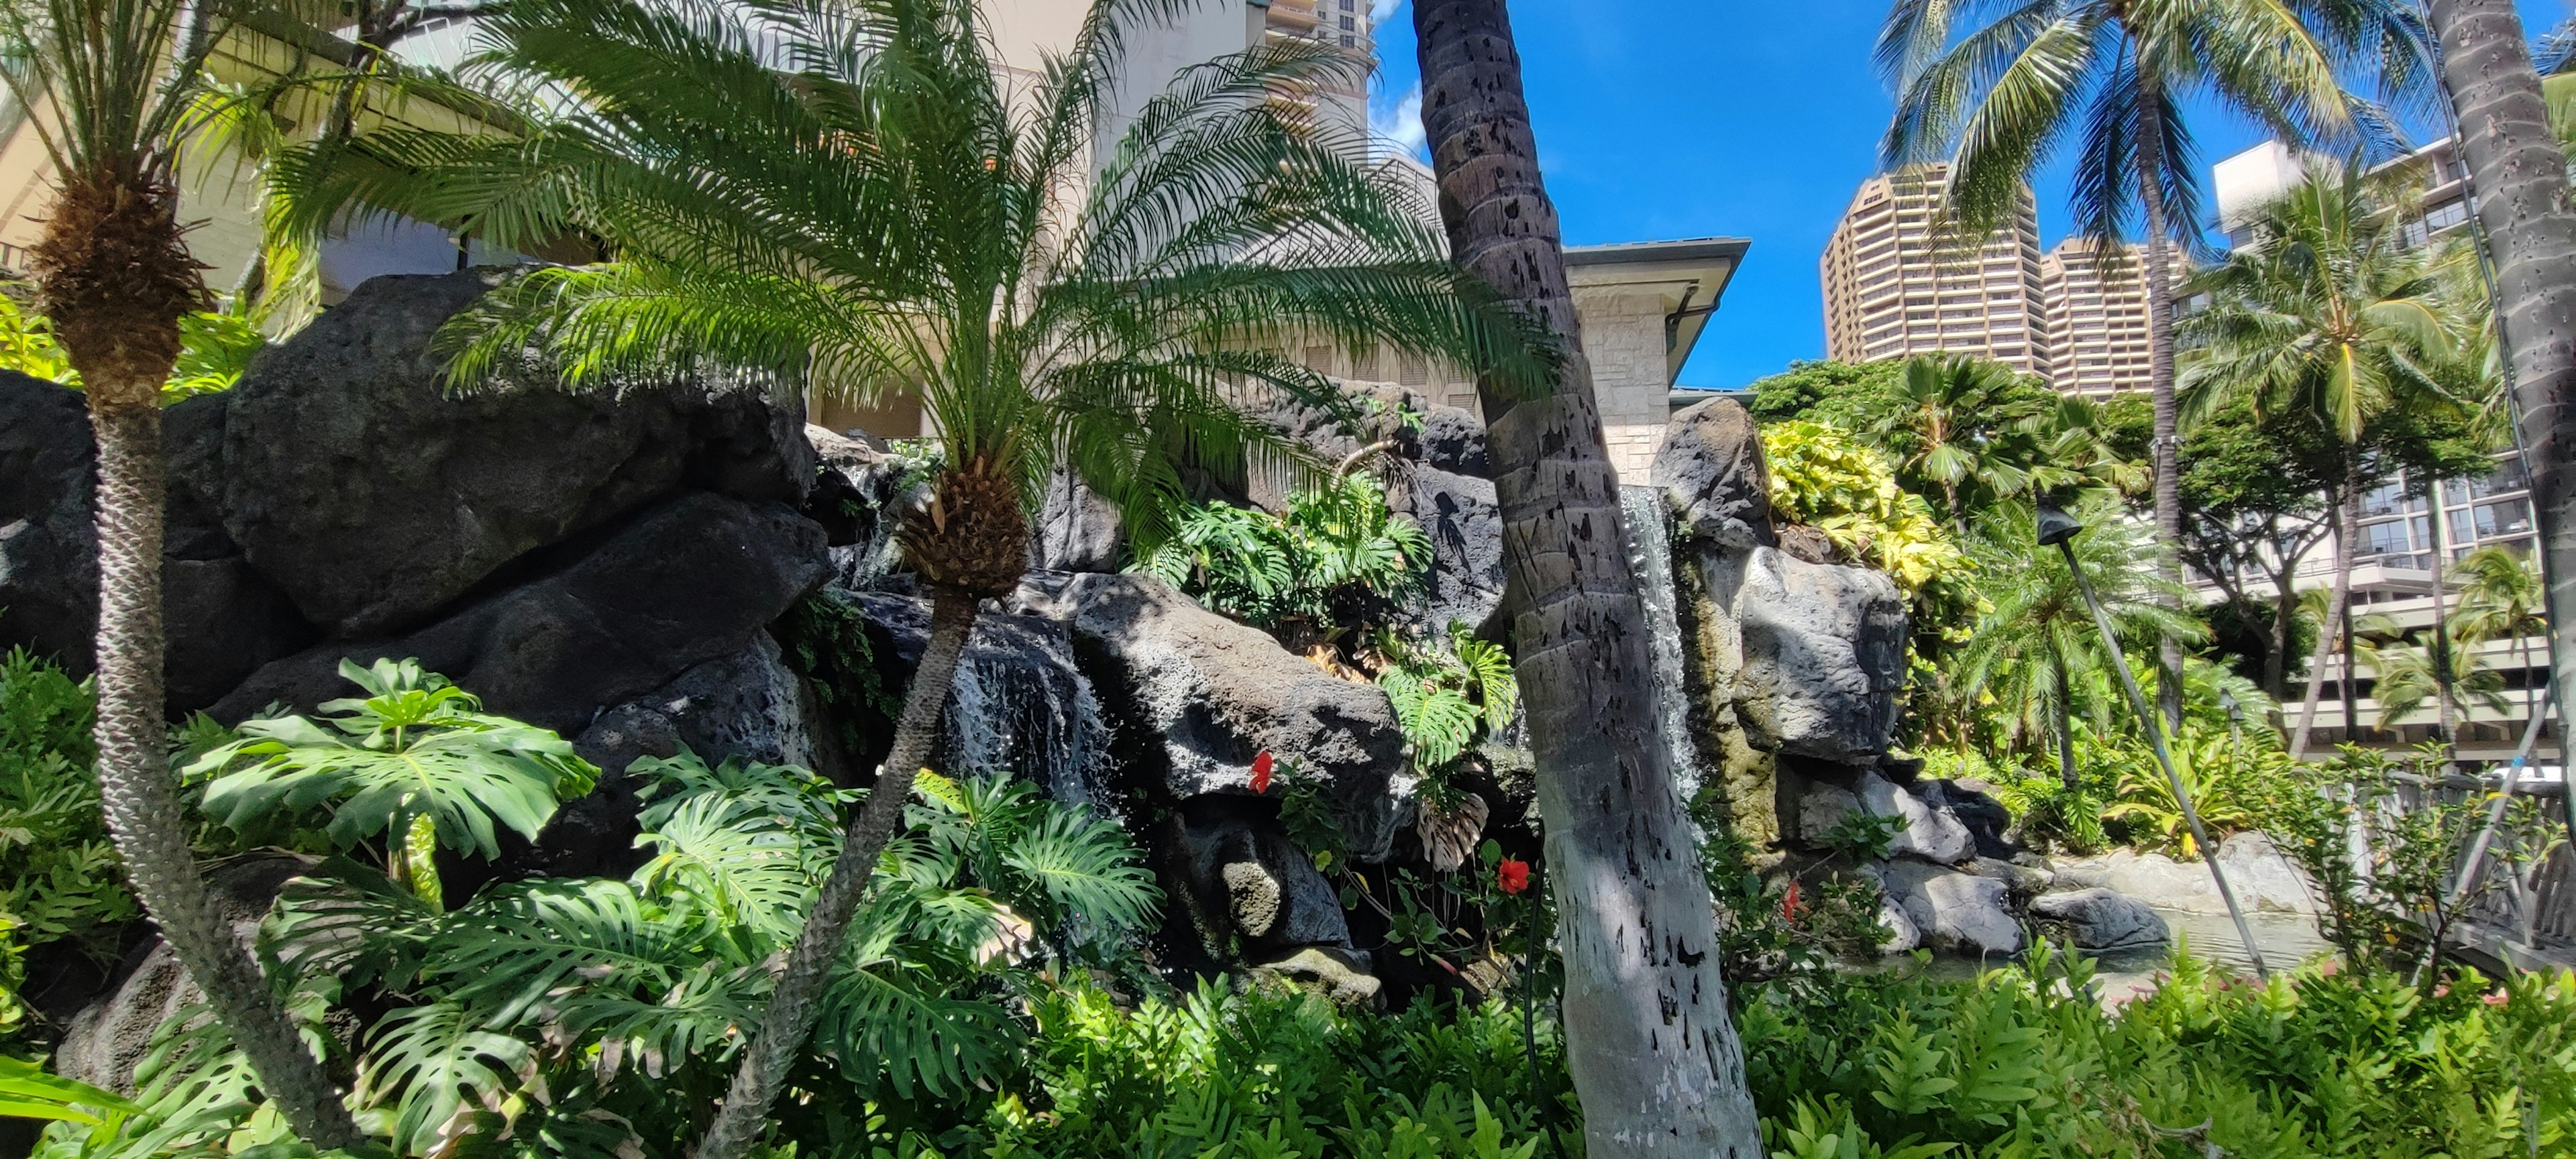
(1650, 558)
(1021, 706)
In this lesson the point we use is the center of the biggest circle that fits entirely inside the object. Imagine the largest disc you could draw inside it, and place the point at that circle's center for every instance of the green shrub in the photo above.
(1339, 558)
(60, 879)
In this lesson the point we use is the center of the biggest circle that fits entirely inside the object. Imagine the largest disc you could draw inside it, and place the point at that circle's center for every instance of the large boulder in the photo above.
(691, 581)
(1465, 524)
(223, 617)
(376, 496)
(1823, 657)
(1711, 469)
(2100, 920)
(1077, 529)
(2261, 877)
(1196, 697)
(1920, 830)
(1955, 911)
(1251, 894)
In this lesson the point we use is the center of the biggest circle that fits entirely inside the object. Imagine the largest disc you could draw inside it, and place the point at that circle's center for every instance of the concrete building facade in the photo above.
(2097, 317)
(1894, 288)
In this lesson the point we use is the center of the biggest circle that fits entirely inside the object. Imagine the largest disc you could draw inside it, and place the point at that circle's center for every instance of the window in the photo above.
(2511, 517)
(2388, 499)
(1350, 24)
(1349, 41)
(2382, 539)
(2446, 215)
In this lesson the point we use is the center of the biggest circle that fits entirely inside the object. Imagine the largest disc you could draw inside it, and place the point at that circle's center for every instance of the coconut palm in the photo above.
(2525, 213)
(110, 81)
(852, 196)
(1652, 1053)
(2406, 673)
(2501, 598)
(2035, 652)
(2324, 312)
(2108, 78)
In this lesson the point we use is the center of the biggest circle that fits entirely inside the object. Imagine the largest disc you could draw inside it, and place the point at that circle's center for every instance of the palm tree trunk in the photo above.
(793, 1005)
(2446, 708)
(2066, 731)
(2160, 387)
(141, 797)
(2285, 620)
(2519, 176)
(1653, 1056)
(2347, 518)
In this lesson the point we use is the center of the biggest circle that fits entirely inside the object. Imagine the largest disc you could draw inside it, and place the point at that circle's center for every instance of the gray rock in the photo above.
(1958, 912)
(106, 1040)
(2022, 880)
(358, 483)
(1021, 704)
(1076, 530)
(1823, 657)
(224, 619)
(1339, 975)
(1453, 439)
(1711, 468)
(2099, 919)
(2261, 877)
(1986, 818)
(1465, 523)
(1902, 935)
(1251, 893)
(1199, 695)
(1922, 831)
(691, 581)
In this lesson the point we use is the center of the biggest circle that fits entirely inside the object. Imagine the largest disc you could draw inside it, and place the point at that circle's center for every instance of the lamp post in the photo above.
(2059, 529)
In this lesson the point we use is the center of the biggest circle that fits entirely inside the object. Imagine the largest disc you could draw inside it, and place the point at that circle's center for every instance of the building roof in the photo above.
(1689, 275)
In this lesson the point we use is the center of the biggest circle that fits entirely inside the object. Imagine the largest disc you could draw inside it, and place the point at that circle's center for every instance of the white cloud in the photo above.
(1399, 125)
(1380, 11)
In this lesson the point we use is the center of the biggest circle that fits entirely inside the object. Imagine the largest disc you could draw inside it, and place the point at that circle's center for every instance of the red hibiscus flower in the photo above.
(1512, 875)
(1261, 773)
(1789, 903)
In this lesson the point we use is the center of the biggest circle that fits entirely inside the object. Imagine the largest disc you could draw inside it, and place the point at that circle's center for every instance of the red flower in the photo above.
(1789, 903)
(1261, 773)
(1512, 875)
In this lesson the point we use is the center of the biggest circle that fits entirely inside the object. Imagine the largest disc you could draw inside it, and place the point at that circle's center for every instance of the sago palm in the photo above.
(2035, 652)
(2325, 312)
(107, 83)
(855, 196)
(2108, 79)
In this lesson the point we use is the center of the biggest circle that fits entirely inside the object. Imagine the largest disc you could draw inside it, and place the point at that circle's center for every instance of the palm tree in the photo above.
(2323, 312)
(2109, 77)
(2035, 651)
(844, 193)
(2524, 211)
(109, 82)
(1979, 431)
(2406, 674)
(1653, 1055)
(2501, 598)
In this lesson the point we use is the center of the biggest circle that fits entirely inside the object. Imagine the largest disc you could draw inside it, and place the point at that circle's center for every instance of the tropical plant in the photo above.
(860, 199)
(1338, 558)
(113, 274)
(414, 762)
(2326, 313)
(2035, 662)
(1829, 478)
(59, 875)
(2407, 673)
(2501, 598)
(215, 349)
(1974, 432)
(1999, 98)
(1817, 389)
(1605, 781)
(2526, 222)
(1447, 699)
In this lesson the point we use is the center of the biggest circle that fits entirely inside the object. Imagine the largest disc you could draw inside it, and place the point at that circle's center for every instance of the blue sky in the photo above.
(1747, 118)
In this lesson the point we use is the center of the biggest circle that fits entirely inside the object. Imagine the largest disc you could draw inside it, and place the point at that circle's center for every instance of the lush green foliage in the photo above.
(1815, 389)
(1338, 557)
(59, 875)
(1447, 699)
(1824, 476)
(215, 349)
(1968, 434)
(2025, 1061)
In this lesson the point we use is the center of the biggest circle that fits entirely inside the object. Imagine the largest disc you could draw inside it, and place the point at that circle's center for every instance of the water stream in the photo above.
(1650, 556)
(1020, 705)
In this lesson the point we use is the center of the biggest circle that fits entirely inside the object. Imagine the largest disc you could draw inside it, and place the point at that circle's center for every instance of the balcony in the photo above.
(1296, 16)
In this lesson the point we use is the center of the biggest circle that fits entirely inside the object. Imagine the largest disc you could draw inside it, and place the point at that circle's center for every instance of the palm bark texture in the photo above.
(1654, 1058)
(113, 271)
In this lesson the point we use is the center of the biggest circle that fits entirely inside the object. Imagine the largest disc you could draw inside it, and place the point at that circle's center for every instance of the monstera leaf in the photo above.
(415, 746)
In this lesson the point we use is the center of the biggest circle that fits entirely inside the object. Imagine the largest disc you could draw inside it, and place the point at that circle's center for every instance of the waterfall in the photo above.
(1650, 558)
(1020, 706)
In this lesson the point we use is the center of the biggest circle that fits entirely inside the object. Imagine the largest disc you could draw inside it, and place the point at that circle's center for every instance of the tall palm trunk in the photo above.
(2285, 621)
(2519, 176)
(2066, 730)
(1652, 1053)
(793, 1005)
(2160, 387)
(2347, 522)
(2446, 706)
(116, 276)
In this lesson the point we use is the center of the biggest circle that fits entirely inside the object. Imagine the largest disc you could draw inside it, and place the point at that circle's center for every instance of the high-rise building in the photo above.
(2097, 317)
(1894, 287)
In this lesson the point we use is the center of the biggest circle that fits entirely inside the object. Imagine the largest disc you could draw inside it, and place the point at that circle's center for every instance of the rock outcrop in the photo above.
(2098, 920)
(1960, 912)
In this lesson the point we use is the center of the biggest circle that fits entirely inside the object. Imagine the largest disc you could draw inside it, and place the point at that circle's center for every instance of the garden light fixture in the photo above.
(2058, 528)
